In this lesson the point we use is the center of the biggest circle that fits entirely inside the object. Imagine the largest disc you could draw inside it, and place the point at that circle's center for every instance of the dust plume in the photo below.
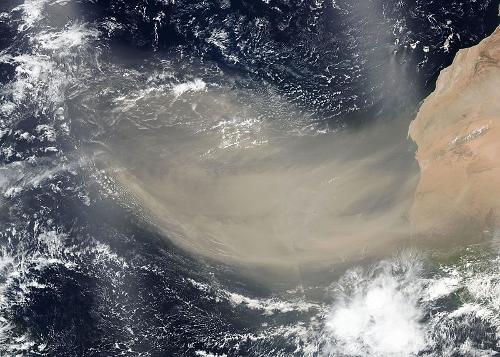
(241, 180)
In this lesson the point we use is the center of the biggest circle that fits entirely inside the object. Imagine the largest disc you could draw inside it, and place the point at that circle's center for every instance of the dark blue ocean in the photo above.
(85, 272)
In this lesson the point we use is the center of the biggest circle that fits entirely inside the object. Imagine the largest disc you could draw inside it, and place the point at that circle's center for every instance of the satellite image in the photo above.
(223, 178)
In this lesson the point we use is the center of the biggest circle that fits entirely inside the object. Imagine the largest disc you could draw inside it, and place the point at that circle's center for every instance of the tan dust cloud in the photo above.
(248, 192)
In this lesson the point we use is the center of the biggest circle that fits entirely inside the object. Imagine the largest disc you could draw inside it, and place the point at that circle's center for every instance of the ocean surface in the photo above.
(84, 271)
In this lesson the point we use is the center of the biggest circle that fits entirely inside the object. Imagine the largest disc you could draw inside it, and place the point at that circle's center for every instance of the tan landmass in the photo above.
(457, 131)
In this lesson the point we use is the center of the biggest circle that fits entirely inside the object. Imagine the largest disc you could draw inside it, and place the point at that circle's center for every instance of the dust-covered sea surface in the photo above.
(229, 178)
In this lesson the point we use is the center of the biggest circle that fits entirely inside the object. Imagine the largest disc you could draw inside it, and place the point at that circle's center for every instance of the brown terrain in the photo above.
(457, 131)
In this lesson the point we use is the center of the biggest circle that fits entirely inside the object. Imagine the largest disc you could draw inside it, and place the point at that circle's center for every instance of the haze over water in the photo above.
(229, 178)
